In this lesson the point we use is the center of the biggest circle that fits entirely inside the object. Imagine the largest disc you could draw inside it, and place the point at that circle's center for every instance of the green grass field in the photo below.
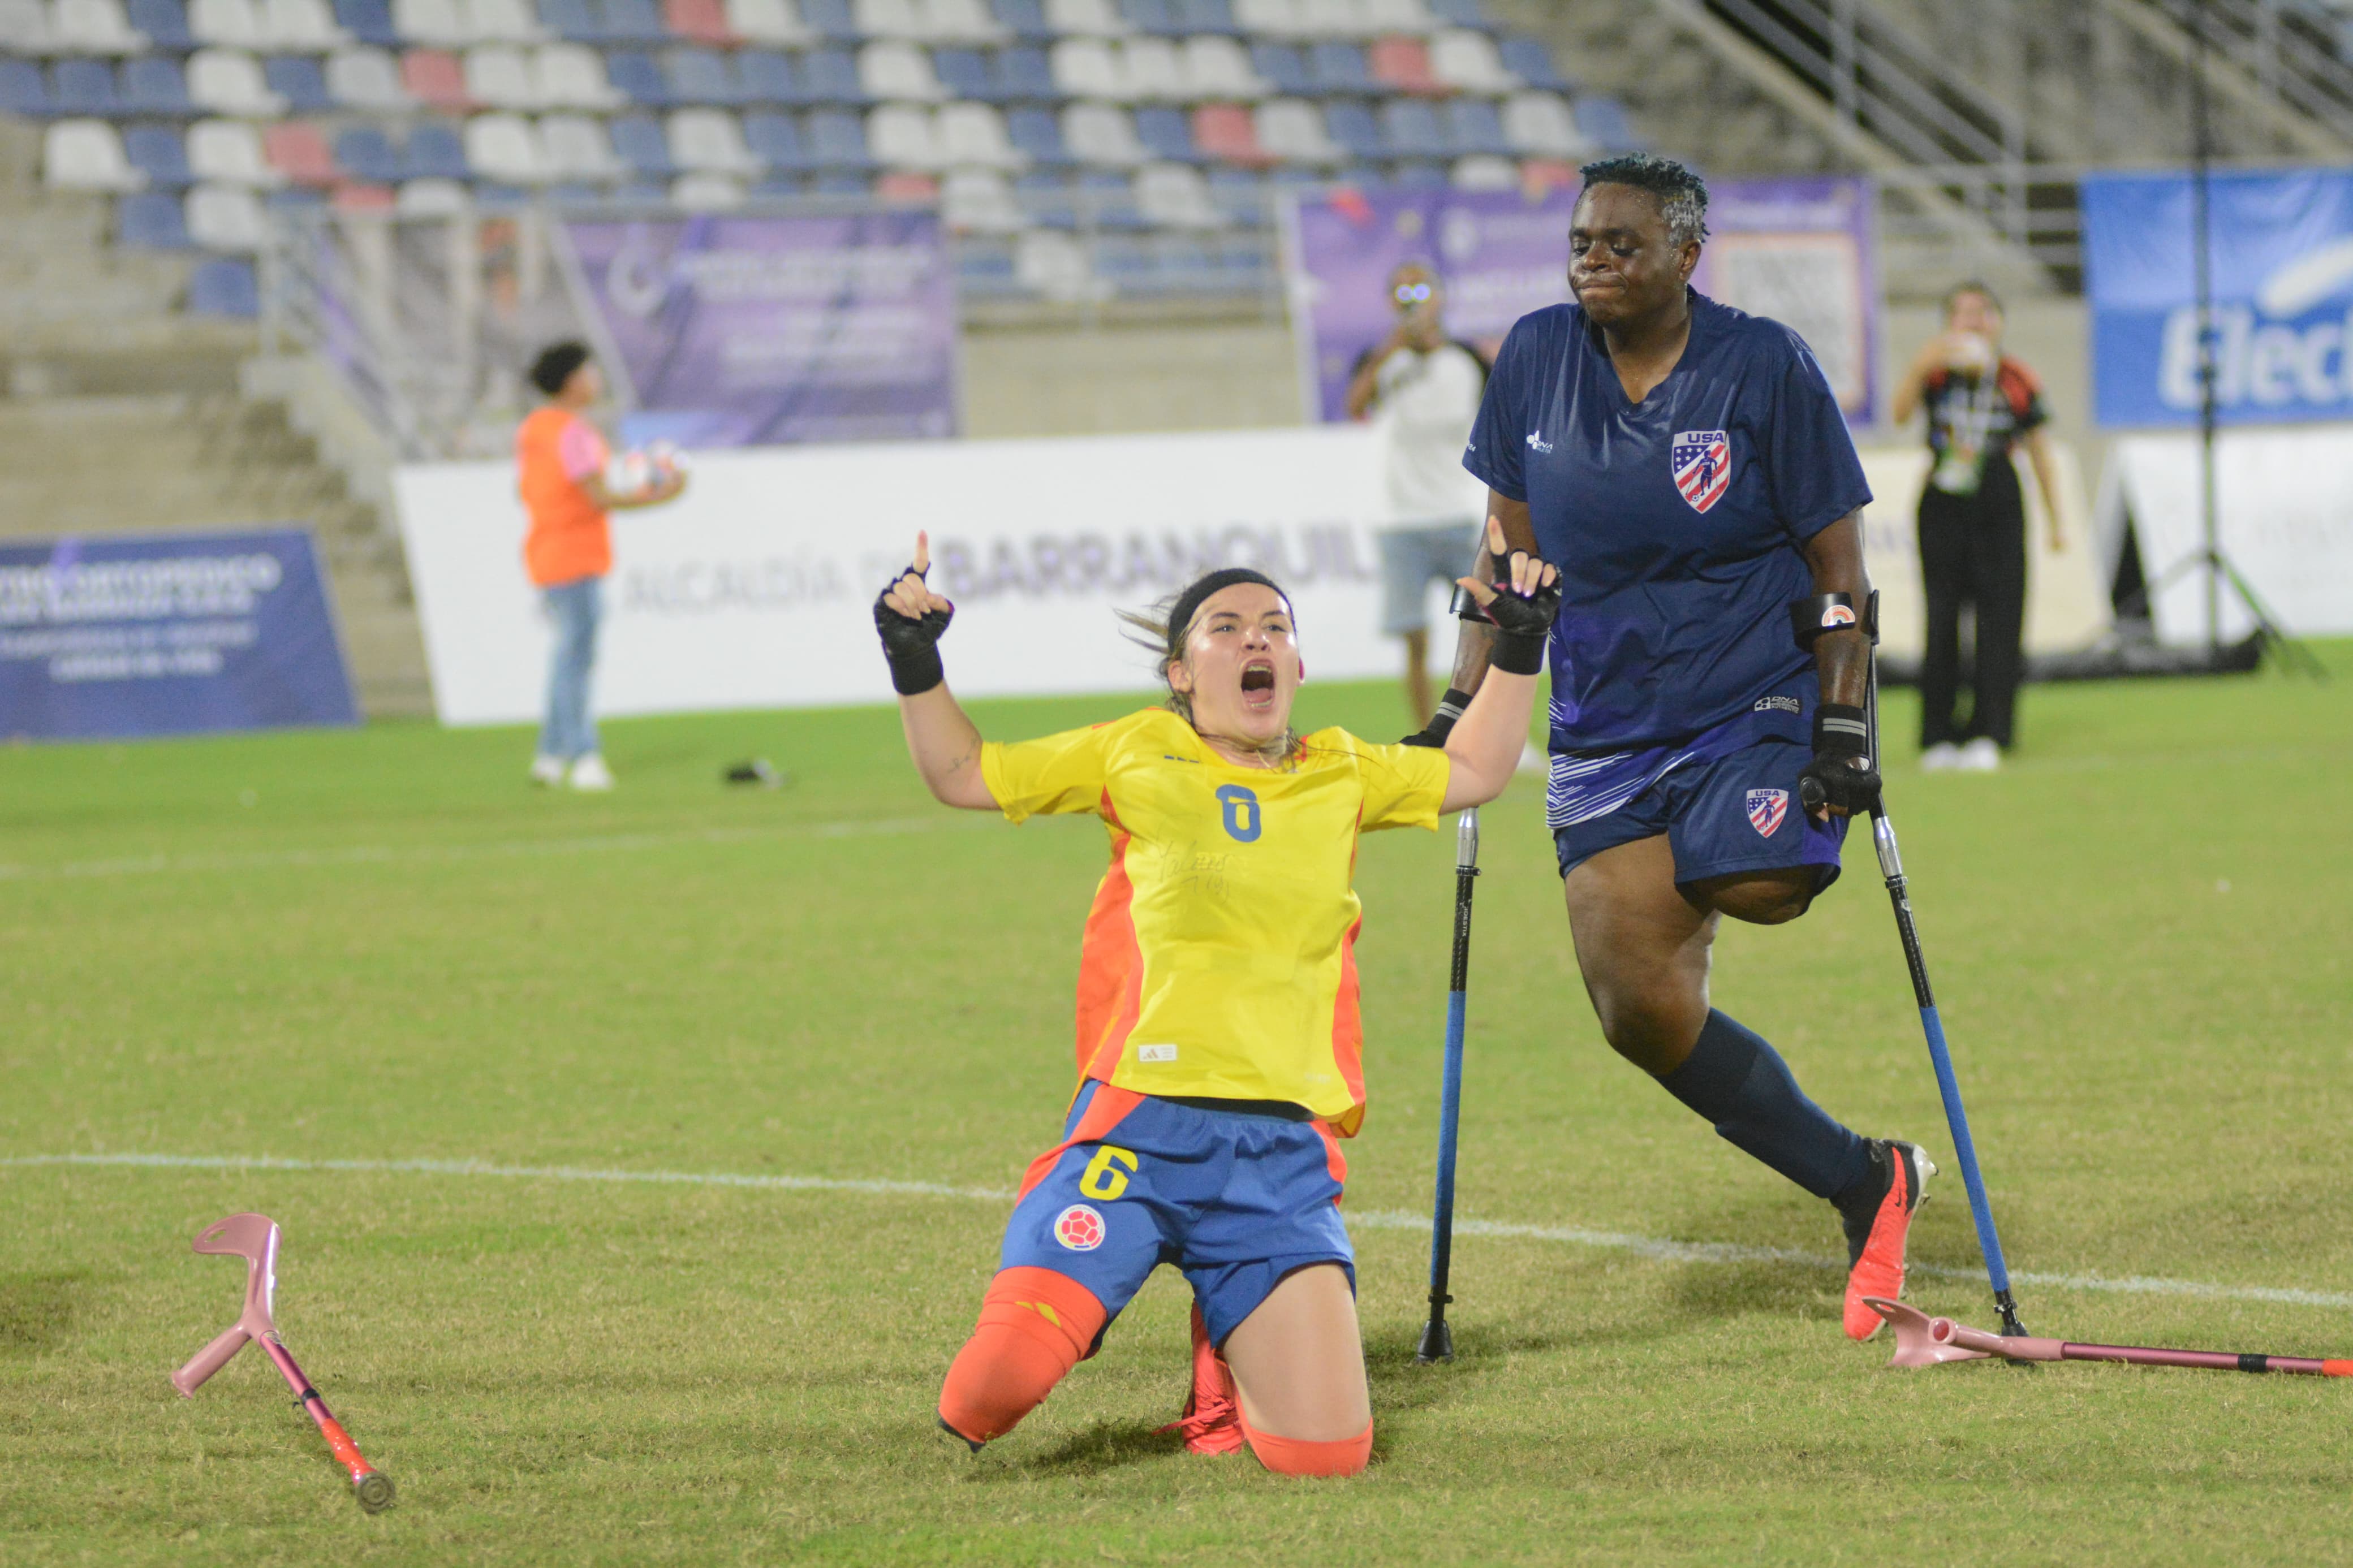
(381, 947)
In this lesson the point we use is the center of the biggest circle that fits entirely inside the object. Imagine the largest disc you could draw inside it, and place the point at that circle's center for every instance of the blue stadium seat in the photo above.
(1024, 73)
(765, 76)
(1240, 195)
(1604, 121)
(1206, 17)
(1046, 200)
(1280, 64)
(983, 266)
(1409, 126)
(964, 73)
(82, 86)
(1460, 14)
(830, 20)
(1126, 263)
(367, 21)
(165, 23)
(1025, 19)
(22, 90)
(296, 199)
(1154, 16)
(1168, 134)
(434, 153)
(1472, 128)
(831, 76)
(836, 140)
(841, 186)
(225, 286)
(1110, 201)
(634, 22)
(1528, 60)
(1036, 133)
(1338, 67)
(366, 153)
(1352, 127)
(779, 186)
(157, 151)
(151, 220)
(776, 141)
(638, 76)
(297, 79)
(701, 76)
(1419, 176)
(638, 142)
(575, 20)
(152, 84)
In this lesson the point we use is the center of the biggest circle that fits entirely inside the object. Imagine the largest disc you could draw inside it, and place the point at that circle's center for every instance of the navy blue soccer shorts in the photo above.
(1722, 814)
(1236, 1200)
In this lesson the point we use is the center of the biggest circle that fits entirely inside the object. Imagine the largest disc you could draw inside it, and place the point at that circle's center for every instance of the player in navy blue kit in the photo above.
(1688, 469)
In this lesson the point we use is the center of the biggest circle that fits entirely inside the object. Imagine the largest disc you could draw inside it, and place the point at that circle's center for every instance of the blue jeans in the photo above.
(575, 608)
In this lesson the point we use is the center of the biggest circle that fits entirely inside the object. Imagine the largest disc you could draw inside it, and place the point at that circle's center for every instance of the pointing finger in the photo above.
(923, 552)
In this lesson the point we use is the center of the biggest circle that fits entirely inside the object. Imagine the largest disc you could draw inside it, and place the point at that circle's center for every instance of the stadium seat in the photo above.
(1151, 70)
(1240, 197)
(434, 153)
(1087, 18)
(152, 84)
(886, 19)
(1338, 67)
(1173, 195)
(1402, 65)
(831, 76)
(435, 79)
(571, 75)
(776, 141)
(432, 198)
(23, 90)
(1166, 134)
(233, 24)
(1024, 73)
(1468, 62)
(896, 71)
(1205, 19)
(152, 221)
(978, 201)
(1084, 68)
(368, 22)
(904, 136)
(972, 135)
(1334, 19)
(229, 152)
(709, 140)
(225, 217)
(1473, 129)
(964, 73)
(1414, 175)
(773, 22)
(1268, 19)
(1485, 174)
(1351, 127)
(634, 22)
(639, 141)
(1047, 200)
(960, 22)
(765, 76)
(1053, 266)
(1541, 123)
(228, 82)
(368, 154)
(297, 79)
(159, 155)
(87, 155)
(504, 147)
(706, 193)
(841, 185)
(1399, 16)
(1038, 136)
(1107, 201)
(1411, 128)
(1291, 130)
(1218, 68)
(25, 24)
(1154, 18)
(367, 79)
(503, 22)
(576, 148)
(906, 186)
(699, 76)
(299, 153)
(224, 288)
(830, 20)
(1528, 60)
(354, 197)
(635, 76)
(1280, 67)
(163, 23)
(837, 141)
(90, 27)
(575, 20)
(1604, 123)
(1228, 131)
(298, 26)
(83, 87)
(1101, 134)
(433, 24)
(1461, 14)
(1024, 19)
(699, 22)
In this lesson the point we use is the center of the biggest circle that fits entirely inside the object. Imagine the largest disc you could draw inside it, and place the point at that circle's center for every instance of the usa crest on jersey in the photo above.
(1701, 460)
(1766, 807)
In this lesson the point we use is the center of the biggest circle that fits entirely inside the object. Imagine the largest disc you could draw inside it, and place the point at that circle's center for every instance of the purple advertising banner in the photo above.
(1799, 250)
(744, 331)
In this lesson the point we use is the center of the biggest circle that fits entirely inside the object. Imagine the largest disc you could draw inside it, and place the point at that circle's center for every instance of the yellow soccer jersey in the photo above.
(1218, 958)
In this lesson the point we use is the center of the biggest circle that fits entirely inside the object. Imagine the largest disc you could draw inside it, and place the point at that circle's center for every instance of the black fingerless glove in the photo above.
(1523, 623)
(1841, 739)
(1441, 724)
(912, 645)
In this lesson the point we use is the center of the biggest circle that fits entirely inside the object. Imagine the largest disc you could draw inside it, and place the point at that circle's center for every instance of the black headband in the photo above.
(1189, 602)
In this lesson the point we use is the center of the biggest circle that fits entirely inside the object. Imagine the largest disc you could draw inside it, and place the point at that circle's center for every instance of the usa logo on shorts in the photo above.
(1701, 460)
(1079, 1227)
(1766, 807)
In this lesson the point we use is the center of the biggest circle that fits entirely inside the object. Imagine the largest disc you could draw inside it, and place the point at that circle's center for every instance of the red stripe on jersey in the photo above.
(1333, 1161)
(1106, 1111)
(1348, 1035)
(1111, 965)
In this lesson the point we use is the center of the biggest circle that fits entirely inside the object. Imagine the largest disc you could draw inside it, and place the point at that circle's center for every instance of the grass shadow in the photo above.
(38, 1311)
(1105, 1446)
(1742, 1290)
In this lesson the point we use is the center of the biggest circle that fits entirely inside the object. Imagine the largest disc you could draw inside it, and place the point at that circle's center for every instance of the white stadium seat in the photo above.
(504, 148)
(87, 155)
(1221, 68)
(972, 135)
(1290, 129)
(708, 141)
(298, 26)
(904, 136)
(367, 79)
(961, 21)
(1175, 196)
(1464, 59)
(706, 193)
(1097, 19)
(1332, 18)
(499, 76)
(228, 81)
(89, 27)
(432, 198)
(888, 18)
(1085, 67)
(1151, 72)
(979, 201)
(894, 70)
(774, 23)
(1485, 173)
(1541, 123)
(229, 152)
(226, 217)
(1399, 17)
(1101, 134)
(503, 22)
(233, 23)
(576, 148)
(434, 23)
(571, 75)
(25, 25)
(1269, 18)
(1052, 265)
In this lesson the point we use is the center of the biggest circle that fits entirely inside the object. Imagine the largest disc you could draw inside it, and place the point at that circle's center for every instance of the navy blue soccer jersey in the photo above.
(1675, 522)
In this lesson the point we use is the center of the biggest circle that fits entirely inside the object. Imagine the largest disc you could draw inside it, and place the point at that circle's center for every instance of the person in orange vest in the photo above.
(561, 460)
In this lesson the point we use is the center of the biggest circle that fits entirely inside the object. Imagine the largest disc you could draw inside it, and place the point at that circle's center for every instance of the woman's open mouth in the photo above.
(1258, 684)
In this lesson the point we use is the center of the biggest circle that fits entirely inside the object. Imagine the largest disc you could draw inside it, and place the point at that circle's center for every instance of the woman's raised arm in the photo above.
(940, 737)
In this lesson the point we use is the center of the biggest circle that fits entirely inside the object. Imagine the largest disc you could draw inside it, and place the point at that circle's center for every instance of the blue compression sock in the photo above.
(1741, 1084)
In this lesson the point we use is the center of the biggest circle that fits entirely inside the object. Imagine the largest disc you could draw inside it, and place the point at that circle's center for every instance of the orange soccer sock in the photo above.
(1297, 1457)
(1035, 1325)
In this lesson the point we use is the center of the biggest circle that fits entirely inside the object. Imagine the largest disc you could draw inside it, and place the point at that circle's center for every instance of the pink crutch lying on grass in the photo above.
(254, 1237)
(1924, 1341)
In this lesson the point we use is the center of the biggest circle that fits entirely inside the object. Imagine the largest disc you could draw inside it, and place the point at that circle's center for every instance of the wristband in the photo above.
(1840, 729)
(916, 671)
(1517, 653)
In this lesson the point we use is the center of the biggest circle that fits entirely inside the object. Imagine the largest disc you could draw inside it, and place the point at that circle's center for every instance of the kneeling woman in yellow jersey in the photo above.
(1219, 1035)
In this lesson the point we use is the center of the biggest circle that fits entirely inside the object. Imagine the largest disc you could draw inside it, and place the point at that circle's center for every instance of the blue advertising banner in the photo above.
(744, 332)
(167, 634)
(2281, 252)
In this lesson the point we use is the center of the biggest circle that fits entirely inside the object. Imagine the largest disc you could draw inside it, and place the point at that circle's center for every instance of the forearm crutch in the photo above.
(1437, 1339)
(254, 1237)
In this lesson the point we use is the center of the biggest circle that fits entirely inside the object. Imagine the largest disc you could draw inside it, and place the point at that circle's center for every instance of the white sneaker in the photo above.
(1942, 757)
(1533, 759)
(546, 770)
(590, 773)
(1980, 756)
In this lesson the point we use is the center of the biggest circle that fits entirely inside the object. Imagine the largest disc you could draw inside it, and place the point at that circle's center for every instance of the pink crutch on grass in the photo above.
(254, 1237)
(1924, 1341)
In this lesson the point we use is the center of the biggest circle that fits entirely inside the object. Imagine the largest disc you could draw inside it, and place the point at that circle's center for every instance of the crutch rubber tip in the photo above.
(375, 1491)
(1436, 1343)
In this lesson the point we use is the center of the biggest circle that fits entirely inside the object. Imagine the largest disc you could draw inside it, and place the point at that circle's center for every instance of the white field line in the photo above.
(1656, 1248)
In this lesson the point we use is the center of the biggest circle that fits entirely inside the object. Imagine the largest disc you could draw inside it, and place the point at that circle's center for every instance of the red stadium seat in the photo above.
(701, 21)
(1226, 131)
(354, 197)
(902, 186)
(296, 149)
(1404, 64)
(434, 77)
(1538, 175)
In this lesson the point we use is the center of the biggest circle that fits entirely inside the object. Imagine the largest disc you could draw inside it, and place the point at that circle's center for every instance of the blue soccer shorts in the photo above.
(1236, 1200)
(1737, 811)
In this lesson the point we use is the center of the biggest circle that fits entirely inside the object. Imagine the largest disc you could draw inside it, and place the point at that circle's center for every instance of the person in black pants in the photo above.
(1980, 402)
